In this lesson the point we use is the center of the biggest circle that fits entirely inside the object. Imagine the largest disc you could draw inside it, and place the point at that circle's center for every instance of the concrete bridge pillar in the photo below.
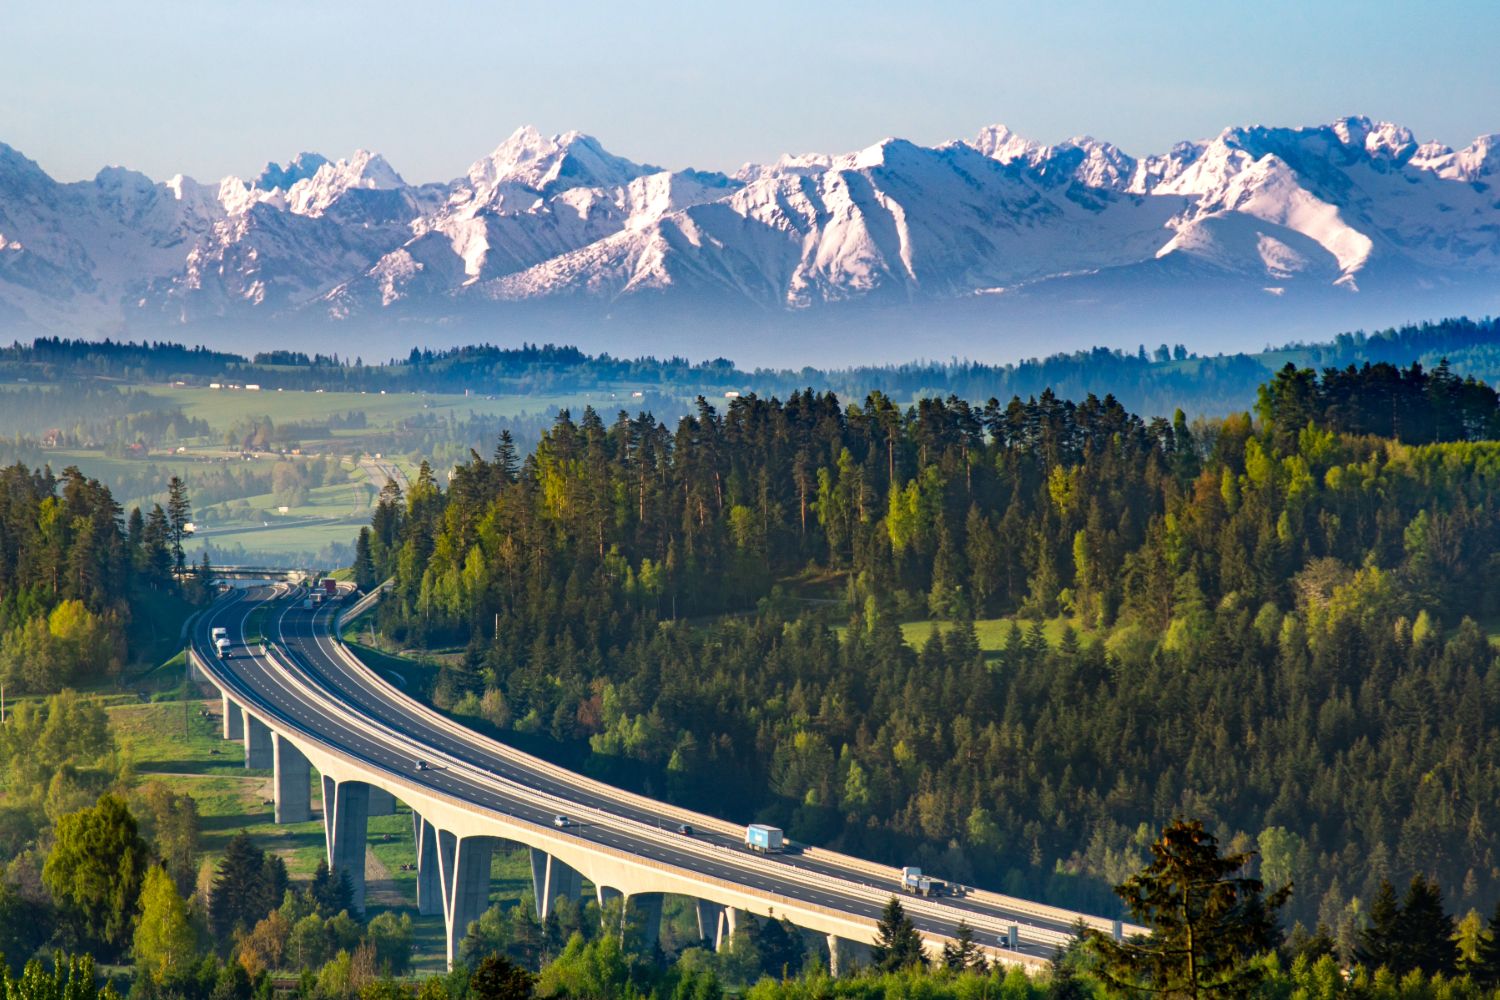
(258, 753)
(429, 878)
(844, 955)
(607, 894)
(709, 915)
(293, 775)
(234, 720)
(729, 921)
(465, 863)
(645, 909)
(550, 878)
(382, 802)
(346, 817)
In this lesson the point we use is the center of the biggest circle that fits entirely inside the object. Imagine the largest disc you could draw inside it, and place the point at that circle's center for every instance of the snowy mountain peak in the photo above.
(1351, 206)
(1379, 140)
(1479, 159)
(999, 143)
(364, 171)
(547, 165)
(273, 176)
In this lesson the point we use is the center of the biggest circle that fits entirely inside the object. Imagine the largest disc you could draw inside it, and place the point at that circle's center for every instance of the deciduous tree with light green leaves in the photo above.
(165, 945)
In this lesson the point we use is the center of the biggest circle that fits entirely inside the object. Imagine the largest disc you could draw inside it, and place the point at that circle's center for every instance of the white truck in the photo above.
(914, 882)
(221, 647)
(219, 632)
(765, 839)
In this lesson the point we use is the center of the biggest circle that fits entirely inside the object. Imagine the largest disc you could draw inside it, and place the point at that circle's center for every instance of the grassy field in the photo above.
(992, 632)
(222, 407)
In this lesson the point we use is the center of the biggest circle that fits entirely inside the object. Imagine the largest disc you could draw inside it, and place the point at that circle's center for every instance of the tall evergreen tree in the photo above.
(897, 943)
(1485, 968)
(364, 562)
(1206, 921)
(1382, 942)
(962, 952)
(1428, 930)
(238, 897)
(179, 516)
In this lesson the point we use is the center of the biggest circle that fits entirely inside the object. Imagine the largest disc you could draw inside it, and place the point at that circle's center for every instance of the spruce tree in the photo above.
(1485, 968)
(962, 952)
(238, 896)
(364, 562)
(1207, 921)
(1381, 942)
(897, 943)
(179, 515)
(1428, 930)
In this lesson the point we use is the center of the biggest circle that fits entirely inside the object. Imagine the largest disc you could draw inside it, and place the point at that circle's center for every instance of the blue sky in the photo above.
(210, 88)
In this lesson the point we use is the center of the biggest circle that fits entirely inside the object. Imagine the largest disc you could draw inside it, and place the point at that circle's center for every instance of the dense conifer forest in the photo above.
(1275, 622)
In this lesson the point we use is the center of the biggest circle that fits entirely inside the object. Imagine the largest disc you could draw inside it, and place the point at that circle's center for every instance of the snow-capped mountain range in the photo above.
(985, 237)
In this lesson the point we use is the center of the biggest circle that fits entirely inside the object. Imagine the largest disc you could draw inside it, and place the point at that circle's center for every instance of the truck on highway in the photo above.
(221, 647)
(914, 882)
(330, 587)
(762, 838)
(219, 632)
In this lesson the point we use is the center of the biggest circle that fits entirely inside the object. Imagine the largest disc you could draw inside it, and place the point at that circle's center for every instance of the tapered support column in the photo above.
(645, 909)
(845, 956)
(293, 777)
(258, 753)
(728, 921)
(382, 802)
(429, 878)
(234, 720)
(346, 821)
(465, 865)
(550, 878)
(709, 915)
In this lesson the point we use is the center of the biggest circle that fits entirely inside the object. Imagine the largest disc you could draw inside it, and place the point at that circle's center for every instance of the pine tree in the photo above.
(364, 562)
(506, 463)
(1485, 969)
(179, 515)
(238, 896)
(962, 952)
(897, 943)
(1206, 921)
(1428, 930)
(1381, 942)
(496, 977)
(330, 891)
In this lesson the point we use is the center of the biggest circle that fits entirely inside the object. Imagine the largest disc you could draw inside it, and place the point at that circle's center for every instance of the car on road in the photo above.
(685, 829)
(560, 821)
(421, 765)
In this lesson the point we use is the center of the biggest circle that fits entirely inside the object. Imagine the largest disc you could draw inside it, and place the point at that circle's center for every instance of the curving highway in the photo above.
(320, 702)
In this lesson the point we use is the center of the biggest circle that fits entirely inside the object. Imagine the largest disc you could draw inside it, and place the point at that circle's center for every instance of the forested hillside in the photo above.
(1276, 624)
(74, 572)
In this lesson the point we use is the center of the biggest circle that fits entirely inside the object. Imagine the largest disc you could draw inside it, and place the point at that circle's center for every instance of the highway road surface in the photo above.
(311, 684)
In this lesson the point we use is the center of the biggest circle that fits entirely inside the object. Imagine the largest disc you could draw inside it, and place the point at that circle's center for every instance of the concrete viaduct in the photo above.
(301, 702)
